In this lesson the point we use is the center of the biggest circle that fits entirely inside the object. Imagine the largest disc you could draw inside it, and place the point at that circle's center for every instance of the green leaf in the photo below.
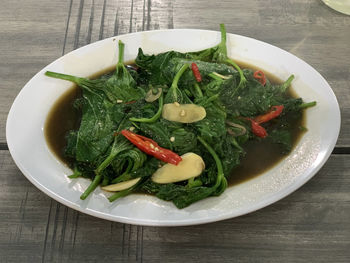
(213, 125)
(121, 86)
(217, 53)
(282, 138)
(155, 117)
(183, 141)
(174, 94)
(157, 132)
(96, 129)
(71, 147)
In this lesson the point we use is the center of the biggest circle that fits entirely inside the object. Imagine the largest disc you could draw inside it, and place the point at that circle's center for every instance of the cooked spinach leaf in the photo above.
(121, 87)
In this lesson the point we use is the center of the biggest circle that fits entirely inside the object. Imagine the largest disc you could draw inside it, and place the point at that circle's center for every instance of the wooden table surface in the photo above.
(310, 225)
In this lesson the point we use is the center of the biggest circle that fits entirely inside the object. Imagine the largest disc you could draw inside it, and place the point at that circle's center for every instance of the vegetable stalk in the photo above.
(220, 175)
(243, 80)
(155, 117)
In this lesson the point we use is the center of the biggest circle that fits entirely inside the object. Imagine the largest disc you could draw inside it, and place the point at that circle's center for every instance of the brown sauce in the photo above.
(260, 156)
(62, 118)
(263, 155)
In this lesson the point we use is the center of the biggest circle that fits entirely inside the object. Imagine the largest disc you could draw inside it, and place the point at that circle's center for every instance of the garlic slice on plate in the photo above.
(184, 113)
(192, 165)
(121, 186)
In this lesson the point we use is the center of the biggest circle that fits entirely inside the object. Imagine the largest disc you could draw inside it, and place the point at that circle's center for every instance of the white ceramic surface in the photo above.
(39, 165)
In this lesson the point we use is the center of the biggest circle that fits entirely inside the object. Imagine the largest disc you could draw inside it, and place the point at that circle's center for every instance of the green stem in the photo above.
(212, 98)
(173, 92)
(307, 105)
(193, 183)
(124, 177)
(121, 52)
(187, 92)
(76, 173)
(220, 109)
(92, 186)
(124, 192)
(217, 161)
(209, 100)
(212, 75)
(56, 75)
(105, 181)
(287, 83)
(186, 99)
(179, 74)
(84, 83)
(190, 182)
(155, 116)
(235, 144)
(243, 80)
(223, 39)
(115, 150)
(107, 161)
(198, 90)
(220, 76)
(120, 194)
(221, 188)
(134, 124)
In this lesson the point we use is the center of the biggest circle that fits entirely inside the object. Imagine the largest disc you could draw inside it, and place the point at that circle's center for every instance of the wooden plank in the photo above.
(94, 20)
(310, 225)
(30, 39)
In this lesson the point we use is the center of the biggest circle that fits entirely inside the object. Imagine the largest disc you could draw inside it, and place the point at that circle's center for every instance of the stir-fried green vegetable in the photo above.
(141, 127)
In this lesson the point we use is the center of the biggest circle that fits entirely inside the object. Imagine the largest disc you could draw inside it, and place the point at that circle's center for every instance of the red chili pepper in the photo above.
(260, 76)
(274, 112)
(257, 129)
(130, 102)
(196, 72)
(151, 147)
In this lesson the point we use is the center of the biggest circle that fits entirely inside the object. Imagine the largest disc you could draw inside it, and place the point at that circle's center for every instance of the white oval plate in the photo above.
(25, 131)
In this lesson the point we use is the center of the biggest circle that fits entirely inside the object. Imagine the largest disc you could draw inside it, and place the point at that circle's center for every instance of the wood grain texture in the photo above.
(29, 40)
(310, 225)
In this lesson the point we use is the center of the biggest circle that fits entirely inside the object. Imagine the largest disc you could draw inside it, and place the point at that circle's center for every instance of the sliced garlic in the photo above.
(192, 165)
(121, 186)
(184, 113)
(151, 96)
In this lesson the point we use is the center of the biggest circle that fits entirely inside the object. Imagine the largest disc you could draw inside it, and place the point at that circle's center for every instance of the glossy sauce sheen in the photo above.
(260, 155)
